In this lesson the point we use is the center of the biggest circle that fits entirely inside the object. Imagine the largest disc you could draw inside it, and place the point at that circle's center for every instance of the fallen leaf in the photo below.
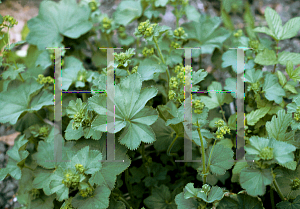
(10, 139)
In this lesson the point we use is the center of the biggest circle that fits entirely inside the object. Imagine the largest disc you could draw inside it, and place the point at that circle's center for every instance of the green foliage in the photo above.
(150, 105)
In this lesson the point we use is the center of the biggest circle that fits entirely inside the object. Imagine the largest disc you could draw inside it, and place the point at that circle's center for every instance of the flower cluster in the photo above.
(266, 153)
(295, 184)
(297, 114)
(82, 76)
(106, 23)
(44, 131)
(255, 87)
(122, 32)
(93, 5)
(43, 80)
(239, 33)
(148, 52)
(123, 59)
(71, 179)
(85, 189)
(222, 129)
(198, 106)
(175, 45)
(134, 69)
(81, 119)
(9, 21)
(79, 168)
(176, 84)
(145, 29)
(180, 34)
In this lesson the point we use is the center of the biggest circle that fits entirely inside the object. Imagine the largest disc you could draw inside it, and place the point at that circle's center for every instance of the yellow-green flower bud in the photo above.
(295, 184)
(172, 94)
(79, 168)
(266, 153)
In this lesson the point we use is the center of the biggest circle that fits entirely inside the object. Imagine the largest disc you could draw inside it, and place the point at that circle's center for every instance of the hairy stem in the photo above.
(272, 198)
(163, 60)
(202, 154)
(276, 56)
(21, 77)
(129, 188)
(125, 201)
(171, 145)
(278, 189)
(210, 154)
(223, 113)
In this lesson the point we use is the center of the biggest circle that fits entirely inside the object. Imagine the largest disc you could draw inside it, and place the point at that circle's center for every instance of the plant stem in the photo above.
(203, 154)
(21, 77)
(210, 154)
(272, 198)
(84, 97)
(278, 189)
(163, 60)
(129, 188)
(177, 17)
(158, 49)
(171, 145)
(125, 201)
(276, 56)
(223, 114)
(8, 37)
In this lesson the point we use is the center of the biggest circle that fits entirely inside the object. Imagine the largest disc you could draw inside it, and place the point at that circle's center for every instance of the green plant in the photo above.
(149, 115)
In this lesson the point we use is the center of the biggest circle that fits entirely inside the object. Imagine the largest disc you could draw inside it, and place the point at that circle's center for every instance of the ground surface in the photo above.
(287, 9)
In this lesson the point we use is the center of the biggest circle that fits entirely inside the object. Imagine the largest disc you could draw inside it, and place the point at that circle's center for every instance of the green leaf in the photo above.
(229, 58)
(273, 90)
(277, 127)
(131, 112)
(21, 97)
(221, 159)
(284, 178)
(42, 180)
(265, 30)
(254, 116)
(240, 201)
(215, 193)
(127, 11)
(160, 3)
(56, 20)
(279, 155)
(284, 56)
(266, 57)
(73, 68)
(274, 22)
(45, 154)
(255, 180)
(108, 174)
(13, 71)
(293, 74)
(213, 37)
(192, 13)
(115, 204)
(190, 191)
(198, 76)
(281, 77)
(252, 75)
(291, 28)
(289, 205)
(215, 99)
(99, 199)
(160, 199)
(237, 170)
(164, 137)
(16, 155)
(149, 67)
(183, 203)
